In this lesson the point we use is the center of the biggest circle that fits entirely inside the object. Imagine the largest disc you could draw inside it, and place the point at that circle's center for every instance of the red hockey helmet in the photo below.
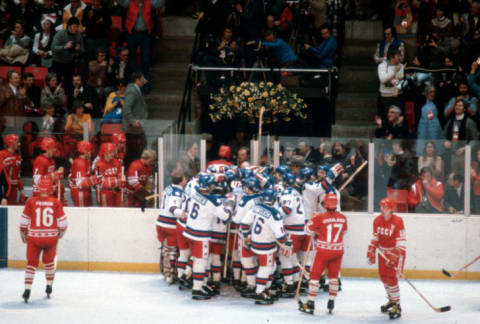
(10, 139)
(45, 185)
(330, 201)
(388, 203)
(47, 144)
(224, 151)
(106, 148)
(83, 147)
(119, 138)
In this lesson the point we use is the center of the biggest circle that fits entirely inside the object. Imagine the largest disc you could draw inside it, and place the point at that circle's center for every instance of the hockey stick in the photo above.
(227, 250)
(234, 247)
(304, 271)
(260, 123)
(448, 274)
(155, 188)
(360, 168)
(437, 309)
(121, 189)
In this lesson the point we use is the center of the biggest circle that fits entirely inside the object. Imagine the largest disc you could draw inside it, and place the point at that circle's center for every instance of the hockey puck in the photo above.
(445, 272)
(445, 309)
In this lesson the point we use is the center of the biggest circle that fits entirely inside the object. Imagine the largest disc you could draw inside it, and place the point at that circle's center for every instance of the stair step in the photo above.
(363, 30)
(339, 130)
(359, 60)
(165, 98)
(359, 48)
(358, 86)
(356, 100)
(356, 114)
(179, 26)
(169, 112)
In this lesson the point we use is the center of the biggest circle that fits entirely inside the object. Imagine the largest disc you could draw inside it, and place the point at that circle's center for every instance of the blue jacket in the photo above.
(326, 51)
(283, 52)
(429, 129)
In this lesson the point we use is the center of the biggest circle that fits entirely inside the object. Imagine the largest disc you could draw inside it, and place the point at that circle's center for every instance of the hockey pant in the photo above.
(35, 246)
(13, 196)
(110, 198)
(266, 263)
(389, 277)
(81, 197)
(184, 253)
(249, 265)
(306, 256)
(200, 253)
(290, 269)
(325, 259)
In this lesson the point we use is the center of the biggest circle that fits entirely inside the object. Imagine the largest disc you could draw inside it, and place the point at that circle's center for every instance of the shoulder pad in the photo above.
(287, 191)
(274, 212)
(177, 192)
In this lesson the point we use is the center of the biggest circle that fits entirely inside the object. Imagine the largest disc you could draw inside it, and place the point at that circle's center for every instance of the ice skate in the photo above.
(387, 306)
(263, 298)
(210, 290)
(26, 295)
(237, 285)
(395, 311)
(184, 283)
(308, 307)
(330, 305)
(48, 290)
(200, 295)
(248, 292)
(288, 291)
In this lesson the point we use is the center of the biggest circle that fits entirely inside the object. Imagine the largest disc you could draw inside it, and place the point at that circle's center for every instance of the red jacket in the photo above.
(435, 193)
(132, 13)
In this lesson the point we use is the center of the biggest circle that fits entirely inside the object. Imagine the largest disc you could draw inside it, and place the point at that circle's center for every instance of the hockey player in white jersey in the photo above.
(293, 213)
(247, 257)
(267, 233)
(280, 171)
(202, 209)
(170, 211)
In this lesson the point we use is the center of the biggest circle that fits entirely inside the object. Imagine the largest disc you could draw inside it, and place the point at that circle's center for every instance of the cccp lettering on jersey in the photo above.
(386, 231)
(111, 172)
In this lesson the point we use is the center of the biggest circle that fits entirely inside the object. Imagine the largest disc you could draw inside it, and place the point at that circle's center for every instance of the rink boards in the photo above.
(121, 239)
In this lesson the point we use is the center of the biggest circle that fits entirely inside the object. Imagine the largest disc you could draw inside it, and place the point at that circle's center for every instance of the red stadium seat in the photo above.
(117, 23)
(39, 74)
(4, 71)
(401, 197)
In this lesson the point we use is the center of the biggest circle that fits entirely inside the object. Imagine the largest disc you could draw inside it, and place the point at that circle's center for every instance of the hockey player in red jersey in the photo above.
(11, 163)
(139, 178)
(43, 223)
(329, 228)
(120, 141)
(81, 179)
(45, 165)
(110, 170)
(389, 237)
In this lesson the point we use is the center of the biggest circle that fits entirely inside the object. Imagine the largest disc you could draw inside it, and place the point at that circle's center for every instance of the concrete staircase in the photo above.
(356, 101)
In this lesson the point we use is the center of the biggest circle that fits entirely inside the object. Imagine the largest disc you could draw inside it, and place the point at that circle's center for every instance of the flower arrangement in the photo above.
(244, 101)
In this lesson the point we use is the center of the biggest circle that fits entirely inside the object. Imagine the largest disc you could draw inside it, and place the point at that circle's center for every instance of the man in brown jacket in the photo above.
(13, 99)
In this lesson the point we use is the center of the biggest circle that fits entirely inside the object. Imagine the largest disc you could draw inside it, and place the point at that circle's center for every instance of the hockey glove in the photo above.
(90, 181)
(58, 175)
(372, 250)
(141, 193)
(286, 248)
(247, 243)
(393, 258)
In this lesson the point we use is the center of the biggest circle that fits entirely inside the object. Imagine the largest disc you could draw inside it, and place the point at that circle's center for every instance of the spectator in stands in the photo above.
(390, 72)
(243, 154)
(121, 67)
(426, 194)
(113, 113)
(251, 16)
(471, 33)
(13, 99)
(282, 52)
(459, 128)
(85, 93)
(97, 20)
(48, 119)
(454, 194)
(475, 176)
(97, 73)
(213, 17)
(401, 165)
(189, 160)
(393, 127)
(472, 80)
(339, 153)
(309, 155)
(78, 121)
(49, 10)
(324, 55)
(42, 44)
(139, 26)
(134, 114)
(429, 125)
(23, 10)
(19, 37)
(67, 46)
(470, 101)
(390, 40)
(441, 25)
(225, 52)
(54, 92)
(402, 19)
(75, 9)
(33, 91)
(431, 159)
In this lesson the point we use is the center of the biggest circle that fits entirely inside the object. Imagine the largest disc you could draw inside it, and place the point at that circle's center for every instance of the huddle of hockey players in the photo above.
(268, 232)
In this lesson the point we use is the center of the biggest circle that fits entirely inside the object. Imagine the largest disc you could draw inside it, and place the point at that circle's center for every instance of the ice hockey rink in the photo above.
(108, 297)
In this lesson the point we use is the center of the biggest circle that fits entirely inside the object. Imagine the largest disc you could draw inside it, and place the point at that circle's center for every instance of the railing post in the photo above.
(468, 171)
(203, 155)
(276, 153)
(161, 165)
(371, 176)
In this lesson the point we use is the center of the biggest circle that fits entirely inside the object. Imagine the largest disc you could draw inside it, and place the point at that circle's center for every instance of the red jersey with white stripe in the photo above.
(41, 166)
(12, 162)
(389, 234)
(329, 228)
(78, 173)
(43, 217)
(112, 169)
(138, 174)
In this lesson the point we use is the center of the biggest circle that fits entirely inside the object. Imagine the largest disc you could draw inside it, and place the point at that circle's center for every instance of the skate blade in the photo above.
(201, 297)
(262, 302)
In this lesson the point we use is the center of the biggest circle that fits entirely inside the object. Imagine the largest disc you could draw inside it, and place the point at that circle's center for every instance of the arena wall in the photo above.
(121, 239)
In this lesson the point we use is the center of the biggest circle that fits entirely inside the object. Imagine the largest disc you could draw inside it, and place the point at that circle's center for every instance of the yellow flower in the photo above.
(246, 93)
(269, 84)
(273, 102)
(232, 88)
(239, 89)
(221, 91)
(265, 94)
(284, 102)
(272, 92)
(261, 84)
(250, 99)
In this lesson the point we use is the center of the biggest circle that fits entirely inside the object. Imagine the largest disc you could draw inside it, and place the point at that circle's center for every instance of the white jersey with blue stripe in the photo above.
(244, 205)
(170, 206)
(293, 211)
(267, 229)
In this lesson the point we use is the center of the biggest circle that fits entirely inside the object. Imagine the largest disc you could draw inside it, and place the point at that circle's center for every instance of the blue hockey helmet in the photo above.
(246, 173)
(269, 196)
(306, 173)
(289, 178)
(269, 181)
(230, 175)
(282, 169)
(252, 184)
(205, 181)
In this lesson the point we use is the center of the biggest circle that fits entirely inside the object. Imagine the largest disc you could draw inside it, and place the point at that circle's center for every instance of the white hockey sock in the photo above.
(333, 287)
(189, 269)
(263, 277)
(29, 275)
(216, 267)
(49, 271)
(250, 267)
(287, 269)
(313, 286)
(237, 266)
(393, 293)
(296, 269)
(182, 262)
(199, 267)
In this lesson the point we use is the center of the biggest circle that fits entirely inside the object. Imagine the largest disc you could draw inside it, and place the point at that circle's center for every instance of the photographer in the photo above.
(390, 73)
(282, 52)
(67, 48)
(323, 56)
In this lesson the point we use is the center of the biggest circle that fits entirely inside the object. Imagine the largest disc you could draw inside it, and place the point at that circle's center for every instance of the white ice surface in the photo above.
(104, 297)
